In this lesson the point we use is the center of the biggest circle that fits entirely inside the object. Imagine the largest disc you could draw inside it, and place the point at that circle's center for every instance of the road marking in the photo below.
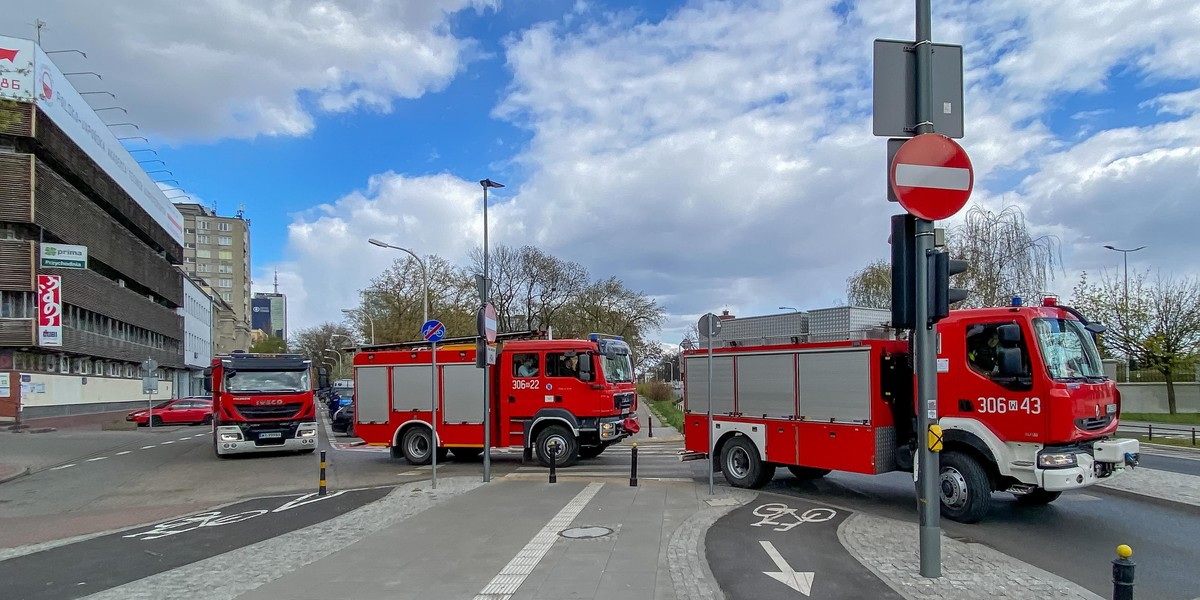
(408, 473)
(62, 467)
(123, 452)
(148, 447)
(773, 513)
(97, 458)
(168, 442)
(510, 578)
(184, 439)
(799, 581)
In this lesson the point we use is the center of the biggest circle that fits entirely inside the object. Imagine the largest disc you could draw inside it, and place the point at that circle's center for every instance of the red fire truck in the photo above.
(263, 403)
(1023, 403)
(578, 394)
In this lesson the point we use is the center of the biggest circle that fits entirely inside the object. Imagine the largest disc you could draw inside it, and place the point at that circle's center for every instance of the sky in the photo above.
(712, 155)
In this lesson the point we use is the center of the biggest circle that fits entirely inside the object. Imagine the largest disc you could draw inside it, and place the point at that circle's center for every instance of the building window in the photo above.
(189, 259)
(204, 267)
(227, 269)
(17, 305)
(227, 296)
(204, 254)
(225, 254)
(189, 230)
(225, 283)
(224, 227)
(202, 239)
(201, 224)
(224, 240)
(189, 245)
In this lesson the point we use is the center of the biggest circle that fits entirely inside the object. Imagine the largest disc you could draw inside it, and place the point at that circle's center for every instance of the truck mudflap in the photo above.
(1083, 469)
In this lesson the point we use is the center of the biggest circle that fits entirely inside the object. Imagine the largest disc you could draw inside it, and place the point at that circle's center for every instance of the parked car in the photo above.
(195, 411)
(343, 420)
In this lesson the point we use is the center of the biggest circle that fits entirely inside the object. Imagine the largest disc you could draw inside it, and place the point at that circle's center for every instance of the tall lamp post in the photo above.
(424, 273)
(351, 311)
(789, 308)
(1125, 301)
(484, 298)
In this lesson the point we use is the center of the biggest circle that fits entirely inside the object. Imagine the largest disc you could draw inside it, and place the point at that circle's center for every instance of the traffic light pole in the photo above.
(924, 337)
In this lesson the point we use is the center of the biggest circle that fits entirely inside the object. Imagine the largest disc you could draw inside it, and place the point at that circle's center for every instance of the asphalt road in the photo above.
(1175, 461)
(1075, 537)
(108, 561)
(795, 540)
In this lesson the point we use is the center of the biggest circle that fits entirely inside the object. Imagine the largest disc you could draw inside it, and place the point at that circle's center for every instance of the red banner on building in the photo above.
(49, 310)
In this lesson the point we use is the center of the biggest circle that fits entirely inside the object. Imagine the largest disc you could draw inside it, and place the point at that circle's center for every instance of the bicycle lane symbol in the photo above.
(216, 519)
(785, 518)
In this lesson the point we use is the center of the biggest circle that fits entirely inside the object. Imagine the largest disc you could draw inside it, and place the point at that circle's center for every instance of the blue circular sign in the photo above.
(433, 331)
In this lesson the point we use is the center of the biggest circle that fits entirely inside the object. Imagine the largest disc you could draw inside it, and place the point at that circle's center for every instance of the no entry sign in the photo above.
(932, 176)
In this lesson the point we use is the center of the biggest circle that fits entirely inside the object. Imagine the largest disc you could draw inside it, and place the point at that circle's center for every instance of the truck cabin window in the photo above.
(1069, 352)
(985, 351)
(561, 365)
(268, 381)
(526, 365)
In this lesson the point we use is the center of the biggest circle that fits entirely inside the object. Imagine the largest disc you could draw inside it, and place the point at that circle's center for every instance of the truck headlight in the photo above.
(231, 437)
(306, 433)
(608, 427)
(1055, 460)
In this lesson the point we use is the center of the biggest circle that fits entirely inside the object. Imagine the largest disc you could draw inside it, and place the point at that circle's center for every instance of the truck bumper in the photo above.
(230, 439)
(613, 429)
(1108, 458)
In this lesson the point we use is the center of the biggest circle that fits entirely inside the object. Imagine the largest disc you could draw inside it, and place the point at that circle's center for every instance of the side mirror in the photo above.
(322, 378)
(208, 380)
(1095, 328)
(1010, 362)
(1010, 335)
(585, 367)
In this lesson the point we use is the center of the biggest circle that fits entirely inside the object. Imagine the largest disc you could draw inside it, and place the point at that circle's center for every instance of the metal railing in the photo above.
(1174, 432)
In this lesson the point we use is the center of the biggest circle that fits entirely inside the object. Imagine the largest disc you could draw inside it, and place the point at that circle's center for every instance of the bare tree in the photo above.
(395, 300)
(1004, 258)
(323, 344)
(872, 286)
(1157, 324)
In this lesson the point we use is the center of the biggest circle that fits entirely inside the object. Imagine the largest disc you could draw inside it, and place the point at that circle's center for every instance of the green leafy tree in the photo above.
(872, 286)
(270, 345)
(1156, 323)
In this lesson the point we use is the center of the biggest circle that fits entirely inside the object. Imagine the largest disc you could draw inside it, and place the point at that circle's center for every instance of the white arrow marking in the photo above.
(307, 499)
(801, 582)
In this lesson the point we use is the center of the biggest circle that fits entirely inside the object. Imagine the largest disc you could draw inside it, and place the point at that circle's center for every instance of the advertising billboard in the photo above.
(49, 310)
(32, 77)
(260, 315)
(63, 256)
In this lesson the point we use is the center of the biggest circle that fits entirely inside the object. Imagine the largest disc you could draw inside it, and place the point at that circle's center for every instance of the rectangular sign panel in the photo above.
(23, 64)
(895, 90)
(49, 310)
(63, 256)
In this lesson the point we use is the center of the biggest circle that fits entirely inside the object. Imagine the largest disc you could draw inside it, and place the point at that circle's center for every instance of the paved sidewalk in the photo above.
(663, 433)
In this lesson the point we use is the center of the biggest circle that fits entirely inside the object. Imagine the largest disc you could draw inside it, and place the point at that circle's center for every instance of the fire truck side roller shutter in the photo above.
(696, 371)
(767, 385)
(412, 387)
(371, 395)
(835, 385)
(462, 389)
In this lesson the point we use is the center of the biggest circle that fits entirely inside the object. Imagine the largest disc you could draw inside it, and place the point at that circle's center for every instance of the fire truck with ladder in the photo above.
(1023, 404)
(263, 402)
(578, 394)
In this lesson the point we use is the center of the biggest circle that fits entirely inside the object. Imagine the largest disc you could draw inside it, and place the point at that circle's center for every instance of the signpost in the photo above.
(485, 354)
(708, 327)
(917, 91)
(931, 176)
(433, 331)
(149, 388)
(62, 256)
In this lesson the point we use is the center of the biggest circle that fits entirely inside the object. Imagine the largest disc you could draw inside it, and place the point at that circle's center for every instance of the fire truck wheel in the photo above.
(1037, 497)
(416, 446)
(568, 447)
(965, 491)
(742, 466)
(808, 472)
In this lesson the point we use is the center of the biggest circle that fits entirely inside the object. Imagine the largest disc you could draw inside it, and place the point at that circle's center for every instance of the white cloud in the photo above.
(719, 159)
(238, 68)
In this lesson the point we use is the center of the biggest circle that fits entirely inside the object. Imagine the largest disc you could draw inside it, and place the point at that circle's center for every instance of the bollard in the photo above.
(633, 466)
(553, 461)
(1123, 574)
(321, 489)
(650, 424)
(1193, 436)
(1150, 432)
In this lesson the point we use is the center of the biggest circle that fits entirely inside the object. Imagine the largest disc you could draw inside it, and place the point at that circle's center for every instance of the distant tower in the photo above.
(276, 281)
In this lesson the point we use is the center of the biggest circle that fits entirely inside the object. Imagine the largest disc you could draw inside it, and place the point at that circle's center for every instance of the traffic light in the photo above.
(904, 271)
(941, 295)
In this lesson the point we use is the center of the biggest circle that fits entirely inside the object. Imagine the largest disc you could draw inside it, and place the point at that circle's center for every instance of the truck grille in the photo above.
(623, 401)
(1093, 423)
(282, 411)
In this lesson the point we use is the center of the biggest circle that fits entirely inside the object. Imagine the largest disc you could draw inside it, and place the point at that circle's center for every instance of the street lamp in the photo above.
(424, 273)
(789, 308)
(487, 288)
(350, 311)
(337, 355)
(1125, 301)
(485, 298)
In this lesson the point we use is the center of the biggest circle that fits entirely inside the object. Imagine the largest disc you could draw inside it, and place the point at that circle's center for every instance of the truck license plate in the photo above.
(1110, 409)
(269, 434)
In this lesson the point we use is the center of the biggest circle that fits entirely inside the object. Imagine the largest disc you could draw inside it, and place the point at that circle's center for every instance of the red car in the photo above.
(197, 410)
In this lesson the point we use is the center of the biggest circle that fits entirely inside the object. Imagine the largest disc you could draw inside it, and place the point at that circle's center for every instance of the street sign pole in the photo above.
(924, 336)
(434, 446)
(149, 386)
(487, 334)
(709, 326)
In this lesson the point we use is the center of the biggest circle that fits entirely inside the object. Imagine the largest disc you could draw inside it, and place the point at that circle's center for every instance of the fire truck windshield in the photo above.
(617, 368)
(1068, 349)
(268, 381)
